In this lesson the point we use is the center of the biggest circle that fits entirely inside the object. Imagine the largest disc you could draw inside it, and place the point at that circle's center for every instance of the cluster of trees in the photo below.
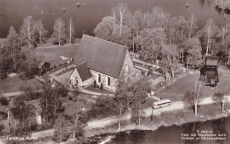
(127, 98)
(63, 33)
(32, 32)
(14, 59)
(156, 35)
(50, 101)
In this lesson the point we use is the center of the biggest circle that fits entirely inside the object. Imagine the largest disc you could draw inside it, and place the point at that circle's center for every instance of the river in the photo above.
(90, 12)
(204, 131)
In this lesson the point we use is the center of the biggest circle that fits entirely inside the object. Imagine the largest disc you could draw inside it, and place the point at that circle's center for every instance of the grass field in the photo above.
(49, 43)
(53, 55)
(13, 84)
(176, 91)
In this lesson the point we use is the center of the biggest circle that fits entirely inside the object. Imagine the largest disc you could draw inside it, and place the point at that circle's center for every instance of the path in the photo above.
(148, 111)
(11, 94)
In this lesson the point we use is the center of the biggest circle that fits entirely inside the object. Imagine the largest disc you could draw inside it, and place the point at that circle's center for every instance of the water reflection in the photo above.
(219, 127)
(192, 129)
(130, 137)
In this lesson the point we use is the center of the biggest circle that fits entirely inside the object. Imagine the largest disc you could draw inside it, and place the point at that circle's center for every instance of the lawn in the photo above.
(176, 91)
(13, 84)
(49, 43)
(53, 55)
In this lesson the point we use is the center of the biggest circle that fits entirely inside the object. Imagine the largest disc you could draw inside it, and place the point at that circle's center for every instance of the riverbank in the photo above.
(165, 119)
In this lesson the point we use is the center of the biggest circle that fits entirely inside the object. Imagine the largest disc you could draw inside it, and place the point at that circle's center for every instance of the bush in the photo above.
(4, 101)
(3, 75)
(101, 87)
(94, 84)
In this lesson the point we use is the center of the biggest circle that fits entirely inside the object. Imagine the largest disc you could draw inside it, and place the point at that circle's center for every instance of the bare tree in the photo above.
(121, 9)
(71, 31)
(59, 31)
(41, 30)
(27, 31)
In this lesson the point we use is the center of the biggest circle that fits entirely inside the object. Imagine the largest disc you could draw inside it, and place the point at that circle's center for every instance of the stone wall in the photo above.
(113, 81)
(75, 75)
(128, 72)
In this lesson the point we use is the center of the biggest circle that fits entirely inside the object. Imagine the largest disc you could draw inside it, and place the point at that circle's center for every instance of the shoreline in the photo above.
(152, 126)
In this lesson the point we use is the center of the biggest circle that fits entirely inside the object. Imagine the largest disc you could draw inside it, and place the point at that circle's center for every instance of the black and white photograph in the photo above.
(114, 71)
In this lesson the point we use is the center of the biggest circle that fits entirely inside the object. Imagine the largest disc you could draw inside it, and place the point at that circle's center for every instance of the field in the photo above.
(50, 44)
(13, 84)
(53, 55)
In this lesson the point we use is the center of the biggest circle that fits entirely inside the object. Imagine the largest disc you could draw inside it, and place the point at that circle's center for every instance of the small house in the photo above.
(210, 71)
(43, 67)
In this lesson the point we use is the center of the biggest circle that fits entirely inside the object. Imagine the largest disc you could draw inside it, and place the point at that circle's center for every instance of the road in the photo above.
(11, 94)
(174, 106)
(107, 121)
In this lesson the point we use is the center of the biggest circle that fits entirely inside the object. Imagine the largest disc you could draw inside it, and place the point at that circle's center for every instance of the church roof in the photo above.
(83, 71)
(102, 56)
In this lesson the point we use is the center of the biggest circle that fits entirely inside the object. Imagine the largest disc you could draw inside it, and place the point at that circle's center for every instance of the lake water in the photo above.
(173, 134)
(89, 14)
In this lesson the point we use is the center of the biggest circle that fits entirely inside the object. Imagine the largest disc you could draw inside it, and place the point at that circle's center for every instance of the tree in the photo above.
(50, 101)
(151, 41)
(27, 31)
(71, 31)
(192, 98)
(120, 13)
(59, 31)
(139, 94)
(21, 112)
(208, 35)
(61, 132)
(4, 101)
(170, 56)
(218, 97)
(192, 26)
(12, 37)
(194, 57)
(41, 31)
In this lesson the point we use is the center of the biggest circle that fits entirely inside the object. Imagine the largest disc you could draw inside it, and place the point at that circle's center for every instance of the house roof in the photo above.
(41, 64)
(211, 61)
(83, 71)
(102, 56)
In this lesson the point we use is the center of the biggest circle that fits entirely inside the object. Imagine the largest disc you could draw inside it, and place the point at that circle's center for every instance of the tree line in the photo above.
(157, 36)
(32, 32)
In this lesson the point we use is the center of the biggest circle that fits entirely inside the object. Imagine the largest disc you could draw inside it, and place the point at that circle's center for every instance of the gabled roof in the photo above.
(102, 56)
(211, 61)
(41, 64)
(83, 71)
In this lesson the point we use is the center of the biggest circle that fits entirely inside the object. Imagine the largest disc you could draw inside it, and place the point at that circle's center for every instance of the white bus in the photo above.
(161, 103)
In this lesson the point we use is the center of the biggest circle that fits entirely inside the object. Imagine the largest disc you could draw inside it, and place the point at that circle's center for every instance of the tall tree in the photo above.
(12, 37)
(41, 31)
(194, 57)
(59, 31)
(170, 55)
(71, 31)
(192, 26)
(27, 31)
(120, 13)
(209, 35)
(151, 41)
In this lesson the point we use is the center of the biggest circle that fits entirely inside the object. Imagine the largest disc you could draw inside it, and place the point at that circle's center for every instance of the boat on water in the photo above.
(0, 14)
(78, 4)
(41, 12)
(187, 4)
